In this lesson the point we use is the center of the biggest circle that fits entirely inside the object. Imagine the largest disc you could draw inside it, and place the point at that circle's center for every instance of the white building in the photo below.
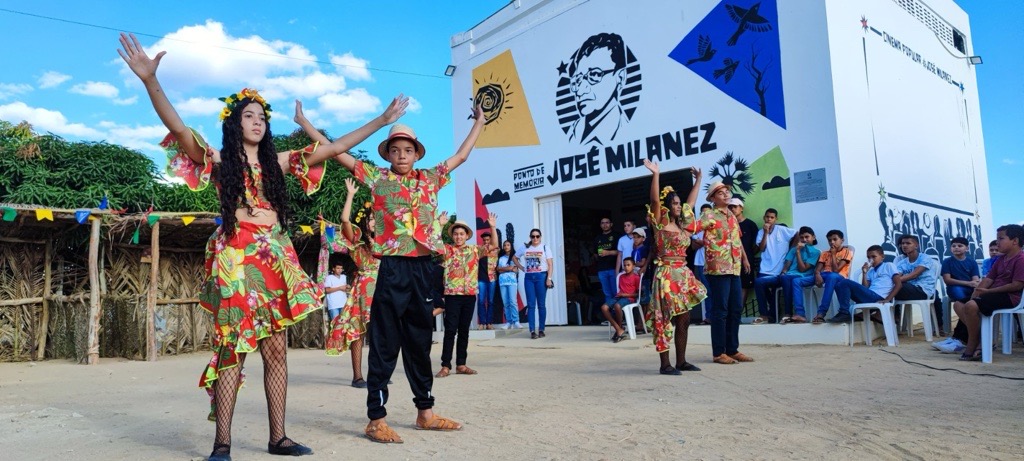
(859, 116)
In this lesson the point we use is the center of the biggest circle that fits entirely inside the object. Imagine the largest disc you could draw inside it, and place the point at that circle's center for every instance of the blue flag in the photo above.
(330, 232)
(218, 220)
(104, 204)
(82, 215)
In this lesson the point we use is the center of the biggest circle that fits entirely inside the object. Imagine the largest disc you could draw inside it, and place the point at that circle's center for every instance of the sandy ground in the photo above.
(572, 395)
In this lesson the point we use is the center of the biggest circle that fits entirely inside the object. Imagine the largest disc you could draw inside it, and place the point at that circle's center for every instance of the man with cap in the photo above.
(461, 265)
(408, 234)
(748, 236)
(724, 259)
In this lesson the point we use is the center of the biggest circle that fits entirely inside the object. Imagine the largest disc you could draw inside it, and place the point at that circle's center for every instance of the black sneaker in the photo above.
(533, 335)
(541, 334)
(840, 318)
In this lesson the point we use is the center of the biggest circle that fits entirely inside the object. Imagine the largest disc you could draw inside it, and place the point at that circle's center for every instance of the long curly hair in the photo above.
(235, 163)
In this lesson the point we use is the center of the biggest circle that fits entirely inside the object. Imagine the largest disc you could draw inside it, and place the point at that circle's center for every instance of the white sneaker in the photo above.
(506, 326)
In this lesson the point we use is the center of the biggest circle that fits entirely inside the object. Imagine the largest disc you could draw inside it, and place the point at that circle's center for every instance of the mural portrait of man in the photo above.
(597, 73)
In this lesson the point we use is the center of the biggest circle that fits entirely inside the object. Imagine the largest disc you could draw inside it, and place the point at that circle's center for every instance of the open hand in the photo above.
(697, 173)
(133, 54)
(443, 217)
(396, 109)
(350, 186)
(492, 219)
(652, 166)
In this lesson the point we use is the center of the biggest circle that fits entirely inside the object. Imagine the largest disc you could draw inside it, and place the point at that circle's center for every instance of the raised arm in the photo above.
(340, 147)
(692, 197)
(346, 211)
(655, 189)
(145, 68)
(462, 154)
(492, 219)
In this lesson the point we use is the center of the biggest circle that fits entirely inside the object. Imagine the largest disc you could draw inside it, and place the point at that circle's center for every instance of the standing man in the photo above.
(336, 288)
(748, 236)
(625, 245)
(606, 245)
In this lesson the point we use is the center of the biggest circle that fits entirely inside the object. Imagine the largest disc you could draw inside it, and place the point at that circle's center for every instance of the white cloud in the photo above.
(51, 79)
(414, 106)
(351, 66)
(206, 54)
(300, 86)
(349, 106)
(11, 89)
(143, 138)
(199, 106)
(126, 101)
(1009, 161)
(98, 89)
(47, 120)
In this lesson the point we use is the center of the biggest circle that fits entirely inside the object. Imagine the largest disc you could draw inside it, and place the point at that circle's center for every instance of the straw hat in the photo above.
(462, 224)
(715, 187)
(399, 130)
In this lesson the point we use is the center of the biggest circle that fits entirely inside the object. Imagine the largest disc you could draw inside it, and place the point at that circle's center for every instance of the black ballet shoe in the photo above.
(669, 370)
(687, 366)
(292, 450)
(221, 452)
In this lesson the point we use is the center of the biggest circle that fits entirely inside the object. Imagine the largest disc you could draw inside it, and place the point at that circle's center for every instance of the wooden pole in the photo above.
(20, 302)
(44, 322)
(93, 350)
(154, 274)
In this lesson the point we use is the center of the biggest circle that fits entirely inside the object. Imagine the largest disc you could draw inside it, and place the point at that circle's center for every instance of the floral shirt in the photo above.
(672, 244)
(460, 269)
(197, 176)
(724, 250)
(404, 208)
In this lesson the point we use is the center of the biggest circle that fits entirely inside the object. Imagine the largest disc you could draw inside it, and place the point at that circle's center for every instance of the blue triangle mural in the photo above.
(736, 49)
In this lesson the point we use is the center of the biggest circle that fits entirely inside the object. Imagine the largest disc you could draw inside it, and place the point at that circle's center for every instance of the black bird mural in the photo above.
(728, 70)
(704, 50)
(748, 19)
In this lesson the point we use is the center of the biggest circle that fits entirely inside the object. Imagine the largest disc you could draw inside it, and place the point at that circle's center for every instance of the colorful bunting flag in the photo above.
(218, 220)
(10, 214)
(44, 213)
(323, 226)
(104, 204)
(82, 215)
(330, 232)
(186, 220)
(306, 229)
(135, 237)
(152, 219)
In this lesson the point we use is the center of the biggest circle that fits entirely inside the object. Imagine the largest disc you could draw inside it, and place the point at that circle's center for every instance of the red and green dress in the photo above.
(675, 289)
(254, 284)
(350, 325)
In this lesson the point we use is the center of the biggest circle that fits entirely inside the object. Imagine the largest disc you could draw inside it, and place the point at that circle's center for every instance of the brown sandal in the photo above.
(443, 373)
(818, 320)
(438, 423)
(464, 370)
(382, 433)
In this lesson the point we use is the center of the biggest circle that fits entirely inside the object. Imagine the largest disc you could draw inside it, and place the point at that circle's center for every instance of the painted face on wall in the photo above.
(596, 82)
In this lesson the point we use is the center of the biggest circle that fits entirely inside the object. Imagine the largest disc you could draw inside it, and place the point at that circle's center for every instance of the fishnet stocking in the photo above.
(682, 322)
(225, 393)
(275, 383)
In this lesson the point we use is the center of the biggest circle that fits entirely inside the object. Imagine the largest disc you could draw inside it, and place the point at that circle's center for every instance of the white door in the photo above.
(549, 221)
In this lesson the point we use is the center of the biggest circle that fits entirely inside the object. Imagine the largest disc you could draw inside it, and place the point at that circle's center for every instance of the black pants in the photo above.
(401, 320)
(458, 313)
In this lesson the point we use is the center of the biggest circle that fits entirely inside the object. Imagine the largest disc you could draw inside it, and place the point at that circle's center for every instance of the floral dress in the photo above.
(254, 284)
(675, 289)
(349, 326)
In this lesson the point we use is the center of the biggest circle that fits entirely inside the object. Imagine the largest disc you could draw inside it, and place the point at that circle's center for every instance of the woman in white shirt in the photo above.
(536, 261)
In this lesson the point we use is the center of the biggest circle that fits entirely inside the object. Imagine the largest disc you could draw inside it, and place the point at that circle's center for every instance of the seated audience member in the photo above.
(799, 262)
(961, 276)
(833, 266)
(629, 286)
(639, 251)
(1000, 289)
(917, 269)
(880, 281)
(773, 243)
(993, 255)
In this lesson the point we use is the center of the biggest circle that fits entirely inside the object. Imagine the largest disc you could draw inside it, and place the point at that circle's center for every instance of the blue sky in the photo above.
(66, 78)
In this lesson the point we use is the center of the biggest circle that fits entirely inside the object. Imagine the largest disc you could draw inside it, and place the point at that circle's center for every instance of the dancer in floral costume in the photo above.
(349, 328)
(675, 290)
(254, 286)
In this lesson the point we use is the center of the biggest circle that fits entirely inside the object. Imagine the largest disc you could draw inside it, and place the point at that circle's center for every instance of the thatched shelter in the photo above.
(86, 290)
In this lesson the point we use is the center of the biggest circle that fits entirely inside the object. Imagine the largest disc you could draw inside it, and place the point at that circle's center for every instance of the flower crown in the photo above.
(665, 191)
(362, 212)
(232, 101)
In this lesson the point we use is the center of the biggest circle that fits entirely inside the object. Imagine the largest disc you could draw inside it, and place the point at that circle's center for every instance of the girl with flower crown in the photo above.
(675, 290)
(254, 286)
(348, 328)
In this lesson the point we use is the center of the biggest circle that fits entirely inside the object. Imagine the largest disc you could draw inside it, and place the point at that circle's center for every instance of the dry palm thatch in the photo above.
(21, 277)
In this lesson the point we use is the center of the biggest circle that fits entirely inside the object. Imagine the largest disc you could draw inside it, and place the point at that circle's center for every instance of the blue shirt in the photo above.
(880, 278)
(964, 269)
(986, 265)
(809, 254)
(925, 281)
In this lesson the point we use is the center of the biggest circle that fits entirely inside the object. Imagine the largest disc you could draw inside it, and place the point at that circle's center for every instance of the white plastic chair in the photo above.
(928, 319)
(627, 310)
(1008, 326)
(579, 313)
(888, 322)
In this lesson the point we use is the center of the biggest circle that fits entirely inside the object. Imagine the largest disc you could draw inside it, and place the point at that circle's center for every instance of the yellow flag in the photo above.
(497, 89)
(323, 226)
(306, 229)
(44, 213)
(186, 220)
